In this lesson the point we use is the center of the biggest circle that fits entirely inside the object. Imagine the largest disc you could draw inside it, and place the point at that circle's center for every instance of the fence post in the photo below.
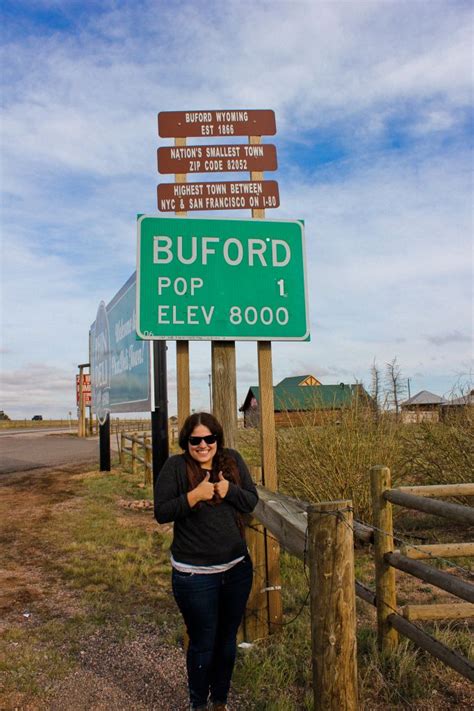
(134, 452)
(333, 616)
(148, 460)
(122, 451)
(148, 463)
(386, 595)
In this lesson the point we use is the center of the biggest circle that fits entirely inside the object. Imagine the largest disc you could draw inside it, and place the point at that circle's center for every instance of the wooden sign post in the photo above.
(82, 409)
(83, 398)
(183, 386)
(268, 451)
(224, 388)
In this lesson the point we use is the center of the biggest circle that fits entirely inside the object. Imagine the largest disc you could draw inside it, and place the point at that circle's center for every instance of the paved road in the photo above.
(24, 451)
(36, 430)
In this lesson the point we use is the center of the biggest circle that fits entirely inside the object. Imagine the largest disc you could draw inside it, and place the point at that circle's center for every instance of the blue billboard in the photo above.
(120, 364)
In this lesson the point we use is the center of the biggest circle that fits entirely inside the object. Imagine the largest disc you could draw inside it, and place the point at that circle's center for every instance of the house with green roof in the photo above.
(302, 394)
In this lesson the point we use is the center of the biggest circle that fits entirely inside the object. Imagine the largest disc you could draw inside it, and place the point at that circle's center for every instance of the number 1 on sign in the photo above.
(281, 284)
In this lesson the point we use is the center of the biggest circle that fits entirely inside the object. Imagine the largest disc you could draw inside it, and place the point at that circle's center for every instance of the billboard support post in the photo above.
(159, 415)
(104, 444)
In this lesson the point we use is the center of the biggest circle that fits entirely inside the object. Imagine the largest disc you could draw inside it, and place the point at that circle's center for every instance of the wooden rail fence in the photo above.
(290, 521)
(323, 535)
(118, 425)
(390, 622)
(138, 441)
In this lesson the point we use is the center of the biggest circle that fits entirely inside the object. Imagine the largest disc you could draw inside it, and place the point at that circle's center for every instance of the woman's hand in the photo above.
(202, 492)
(221, 487)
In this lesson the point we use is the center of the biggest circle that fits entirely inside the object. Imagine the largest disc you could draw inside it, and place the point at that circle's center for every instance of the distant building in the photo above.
(422, 407)
(302, 394)
(457, 405)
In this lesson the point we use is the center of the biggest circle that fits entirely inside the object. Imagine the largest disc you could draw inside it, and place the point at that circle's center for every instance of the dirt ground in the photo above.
(108, 672)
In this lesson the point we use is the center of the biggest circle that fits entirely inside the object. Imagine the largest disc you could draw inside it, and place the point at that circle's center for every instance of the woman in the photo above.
(205, 491)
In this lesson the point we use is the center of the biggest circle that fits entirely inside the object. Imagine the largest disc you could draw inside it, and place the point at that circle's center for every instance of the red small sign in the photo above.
(218, 124)
(217, 159)
(86, 389)
(247, 194)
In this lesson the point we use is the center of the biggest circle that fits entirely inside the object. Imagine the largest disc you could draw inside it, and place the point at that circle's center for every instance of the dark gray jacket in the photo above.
(204, 534)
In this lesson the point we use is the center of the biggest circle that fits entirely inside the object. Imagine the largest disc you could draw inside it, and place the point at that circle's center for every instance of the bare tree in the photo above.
(375, 389)
(395, 385)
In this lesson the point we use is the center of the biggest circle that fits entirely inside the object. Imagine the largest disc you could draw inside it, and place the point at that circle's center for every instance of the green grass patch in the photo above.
(28, 662)
(113, 557)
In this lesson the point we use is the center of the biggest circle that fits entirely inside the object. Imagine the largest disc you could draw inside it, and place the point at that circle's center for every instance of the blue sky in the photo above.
(373, 102)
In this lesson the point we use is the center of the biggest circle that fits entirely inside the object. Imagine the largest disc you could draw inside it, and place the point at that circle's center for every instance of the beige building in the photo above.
(422, 407)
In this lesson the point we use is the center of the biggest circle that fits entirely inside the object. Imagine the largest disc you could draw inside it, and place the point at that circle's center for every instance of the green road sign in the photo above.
(225, 279)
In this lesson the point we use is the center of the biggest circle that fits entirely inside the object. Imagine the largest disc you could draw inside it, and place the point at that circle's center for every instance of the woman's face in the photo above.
(202, 452)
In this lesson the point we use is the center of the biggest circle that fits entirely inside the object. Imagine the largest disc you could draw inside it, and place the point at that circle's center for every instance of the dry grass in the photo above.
(441, 453)
(332, 461)
(37, 424)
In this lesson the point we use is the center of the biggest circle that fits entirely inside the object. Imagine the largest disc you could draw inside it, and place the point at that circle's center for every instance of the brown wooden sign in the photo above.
(246, 194)
(217, 159)
(180, 124)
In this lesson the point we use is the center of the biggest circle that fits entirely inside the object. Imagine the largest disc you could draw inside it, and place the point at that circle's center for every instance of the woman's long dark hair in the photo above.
(222, 462)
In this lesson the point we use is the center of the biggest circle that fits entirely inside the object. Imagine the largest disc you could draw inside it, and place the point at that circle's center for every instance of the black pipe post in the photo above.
(104, 444)
(159, 416)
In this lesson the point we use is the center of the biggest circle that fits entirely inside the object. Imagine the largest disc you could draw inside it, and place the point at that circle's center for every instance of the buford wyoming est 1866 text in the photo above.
(256, 122)
(221, 279)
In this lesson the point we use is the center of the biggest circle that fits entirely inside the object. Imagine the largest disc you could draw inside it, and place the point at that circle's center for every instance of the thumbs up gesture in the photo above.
(221, 487)
(205, 490)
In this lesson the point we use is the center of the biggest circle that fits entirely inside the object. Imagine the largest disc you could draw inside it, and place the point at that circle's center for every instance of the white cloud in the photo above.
(87, 104)
(388, 223)
(38, 389)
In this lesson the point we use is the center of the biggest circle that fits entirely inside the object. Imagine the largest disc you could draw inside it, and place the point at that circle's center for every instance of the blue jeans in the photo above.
(212, 607)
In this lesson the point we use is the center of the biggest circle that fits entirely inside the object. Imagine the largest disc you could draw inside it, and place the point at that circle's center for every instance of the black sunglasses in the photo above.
(208, 439)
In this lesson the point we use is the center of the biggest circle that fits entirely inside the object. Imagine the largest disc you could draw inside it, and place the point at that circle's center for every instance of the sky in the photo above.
(373, 105)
